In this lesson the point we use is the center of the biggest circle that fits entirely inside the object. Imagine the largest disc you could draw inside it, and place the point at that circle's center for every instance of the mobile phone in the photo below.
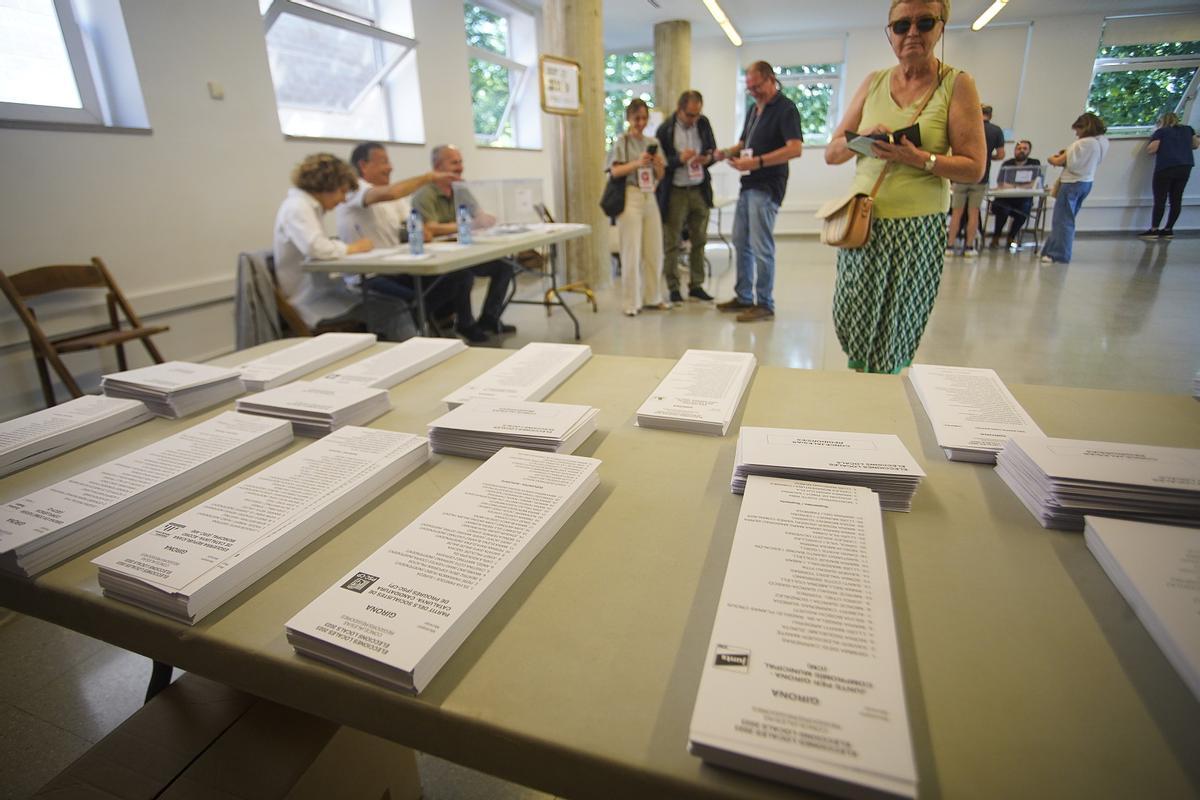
(652, 148)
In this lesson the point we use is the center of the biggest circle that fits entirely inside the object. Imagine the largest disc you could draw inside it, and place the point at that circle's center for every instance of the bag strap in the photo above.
(883, 172)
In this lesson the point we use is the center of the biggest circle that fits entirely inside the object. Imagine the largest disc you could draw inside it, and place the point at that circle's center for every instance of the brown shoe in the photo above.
(734, 305)
(756, 313)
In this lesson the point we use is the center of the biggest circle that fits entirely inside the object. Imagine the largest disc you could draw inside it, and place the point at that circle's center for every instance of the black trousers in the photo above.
(1016, 207)
(499, 274)
(1169, 183)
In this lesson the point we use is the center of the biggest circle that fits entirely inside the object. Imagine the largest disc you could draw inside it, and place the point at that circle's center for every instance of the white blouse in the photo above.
(299, 234)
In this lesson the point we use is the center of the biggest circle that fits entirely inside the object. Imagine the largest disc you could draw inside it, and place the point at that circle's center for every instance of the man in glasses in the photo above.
(969, 196)
(689, 147)
(771, 138)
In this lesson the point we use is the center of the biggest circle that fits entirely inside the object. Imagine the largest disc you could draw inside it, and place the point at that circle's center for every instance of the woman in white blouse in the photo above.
(635, 158)
(1079, 162)
(320, 182)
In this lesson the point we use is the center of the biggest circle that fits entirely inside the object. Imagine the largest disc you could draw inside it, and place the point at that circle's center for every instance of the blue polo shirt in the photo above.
(780, 122)
(1174, 147)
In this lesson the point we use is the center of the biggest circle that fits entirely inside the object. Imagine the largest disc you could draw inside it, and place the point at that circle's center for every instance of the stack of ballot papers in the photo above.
(397, 617)
(1155, 568)
(700, 394)
(35, 437)
(52, 524)
(397, 364)
(195, 562)
(1061, 480)
(478, 428)
(284, 366)
(878, 461)
(531, 373)
(317, 408)
(176, 388)
(801, 680)
(971, 410)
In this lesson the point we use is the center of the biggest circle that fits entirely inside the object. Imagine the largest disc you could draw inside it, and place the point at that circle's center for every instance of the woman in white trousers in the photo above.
(636, 158)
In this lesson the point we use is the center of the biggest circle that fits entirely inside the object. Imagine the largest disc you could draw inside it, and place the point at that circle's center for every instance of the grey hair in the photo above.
(435, 155)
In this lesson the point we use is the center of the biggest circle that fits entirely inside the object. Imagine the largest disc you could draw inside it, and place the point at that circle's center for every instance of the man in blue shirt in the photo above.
(771, 137)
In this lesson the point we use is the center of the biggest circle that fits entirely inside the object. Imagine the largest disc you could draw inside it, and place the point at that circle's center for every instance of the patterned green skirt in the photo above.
(885, 291)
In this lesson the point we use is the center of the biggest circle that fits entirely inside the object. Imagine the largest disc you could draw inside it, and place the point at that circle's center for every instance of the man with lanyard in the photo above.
(685, 198)
(770, 139)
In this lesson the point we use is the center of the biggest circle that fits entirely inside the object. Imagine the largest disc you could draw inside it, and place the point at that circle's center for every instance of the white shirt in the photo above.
(379, 222)
(1083, 156)
(300, 235)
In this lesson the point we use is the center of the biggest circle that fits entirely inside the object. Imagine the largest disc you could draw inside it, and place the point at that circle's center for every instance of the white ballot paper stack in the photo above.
(397, 617)
(284, 366)
(397, 364)
(192, 564)
(35, 437)
(878, 461)
(531, 373)
(700, 394)
(478, 428)
(801, 679)
(52, 524)
(1061, 480)
(175, 388)
(1156, 568)
(973, 413)
(317, 408)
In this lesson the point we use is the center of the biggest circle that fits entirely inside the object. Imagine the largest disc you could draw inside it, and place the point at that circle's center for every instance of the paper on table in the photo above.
(397, 364)
(291, 362)
(973, 413)
(531, 373)
(35, 437)
(701, 393)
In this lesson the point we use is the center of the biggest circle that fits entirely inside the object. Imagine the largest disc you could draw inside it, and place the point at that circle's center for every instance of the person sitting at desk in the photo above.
(379, 210)
(1016, 207)
(435, 203)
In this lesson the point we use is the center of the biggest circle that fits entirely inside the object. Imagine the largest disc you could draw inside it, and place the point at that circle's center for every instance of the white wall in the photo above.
(170, 211)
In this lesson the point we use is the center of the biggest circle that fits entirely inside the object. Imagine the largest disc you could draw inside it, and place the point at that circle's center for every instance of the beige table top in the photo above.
(1026, 673)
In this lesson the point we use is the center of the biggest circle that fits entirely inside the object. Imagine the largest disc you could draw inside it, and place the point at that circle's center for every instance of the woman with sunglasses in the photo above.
(1079, 162)
(886, 288)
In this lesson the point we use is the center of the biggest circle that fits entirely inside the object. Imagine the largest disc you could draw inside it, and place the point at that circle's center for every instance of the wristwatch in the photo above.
(930, 162)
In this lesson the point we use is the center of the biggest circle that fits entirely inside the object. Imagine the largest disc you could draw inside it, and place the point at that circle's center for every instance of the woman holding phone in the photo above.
(635, 157)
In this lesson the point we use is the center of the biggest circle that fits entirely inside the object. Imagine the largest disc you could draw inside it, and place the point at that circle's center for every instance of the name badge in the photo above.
(695, 170)
(645, 179)
(747, 152)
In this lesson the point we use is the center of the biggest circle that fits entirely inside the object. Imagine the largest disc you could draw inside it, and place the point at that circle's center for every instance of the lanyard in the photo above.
(751, 126)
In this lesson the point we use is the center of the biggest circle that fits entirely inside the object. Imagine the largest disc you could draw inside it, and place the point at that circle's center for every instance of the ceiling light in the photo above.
(724, 22)
(987, 15)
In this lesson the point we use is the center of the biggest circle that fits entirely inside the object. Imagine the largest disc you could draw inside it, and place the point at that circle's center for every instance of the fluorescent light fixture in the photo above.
(723, 21)
(987, 15)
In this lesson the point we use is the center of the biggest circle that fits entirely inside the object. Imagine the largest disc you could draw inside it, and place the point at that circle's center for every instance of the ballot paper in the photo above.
(1061, 480)
(971, 410)
(1156, 568)
(397, 364)
(284, 366)
(531, 373)
(878, 461)
(35, 437)
(317, 408)
(478, 428)
(175, 388)
(199, 559)
(398, 616)
(801, 680)
(700, 394)
(52, 524)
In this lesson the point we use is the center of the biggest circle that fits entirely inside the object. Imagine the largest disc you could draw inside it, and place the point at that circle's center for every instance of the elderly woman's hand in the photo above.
(905, 152)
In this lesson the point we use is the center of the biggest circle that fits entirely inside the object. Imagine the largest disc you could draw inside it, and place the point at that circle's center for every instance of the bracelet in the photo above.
(760, 162)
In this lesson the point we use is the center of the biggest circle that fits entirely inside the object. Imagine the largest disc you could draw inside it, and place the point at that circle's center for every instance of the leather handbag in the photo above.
(612, 201)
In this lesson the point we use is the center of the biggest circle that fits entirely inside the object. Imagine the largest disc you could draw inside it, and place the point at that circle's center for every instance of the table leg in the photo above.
(422, 317)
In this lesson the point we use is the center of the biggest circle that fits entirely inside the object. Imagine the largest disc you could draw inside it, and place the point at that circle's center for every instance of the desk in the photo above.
(1026, 673)
(1038, 211)
(481, 251)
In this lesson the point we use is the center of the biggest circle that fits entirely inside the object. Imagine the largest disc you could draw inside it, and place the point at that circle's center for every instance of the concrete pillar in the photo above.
(672, 63)
(573, 29)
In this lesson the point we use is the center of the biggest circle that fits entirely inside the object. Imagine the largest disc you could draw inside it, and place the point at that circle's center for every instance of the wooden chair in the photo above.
(45, 280)
(295, 323)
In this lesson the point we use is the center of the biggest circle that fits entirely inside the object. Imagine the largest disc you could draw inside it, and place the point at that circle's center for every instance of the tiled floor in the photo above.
(1125, 315)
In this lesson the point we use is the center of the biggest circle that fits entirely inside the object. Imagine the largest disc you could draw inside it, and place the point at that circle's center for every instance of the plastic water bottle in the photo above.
(416, 233)
(464, 225)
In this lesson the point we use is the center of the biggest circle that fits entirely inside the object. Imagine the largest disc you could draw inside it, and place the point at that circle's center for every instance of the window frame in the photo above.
(518, 77)
(643, 89)
(834, 80)
(1145, 64)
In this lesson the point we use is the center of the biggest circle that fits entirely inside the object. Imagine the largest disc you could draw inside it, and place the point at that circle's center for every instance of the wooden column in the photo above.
(573, 29)
(672, 63)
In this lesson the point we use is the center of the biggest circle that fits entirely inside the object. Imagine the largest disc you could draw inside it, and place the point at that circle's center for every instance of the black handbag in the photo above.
(612, 202)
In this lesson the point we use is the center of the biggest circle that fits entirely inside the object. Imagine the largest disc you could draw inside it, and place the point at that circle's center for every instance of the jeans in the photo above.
(1062, 224)
(754, 240)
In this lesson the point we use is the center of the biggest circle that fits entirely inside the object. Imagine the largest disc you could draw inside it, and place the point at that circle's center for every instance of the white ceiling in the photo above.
(630, 23)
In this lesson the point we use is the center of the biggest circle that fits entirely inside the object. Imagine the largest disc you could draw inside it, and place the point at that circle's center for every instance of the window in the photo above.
(64, 62)
(344, 68)
(814, 88)
(1135, 84)
(501, 48)
(626, 76)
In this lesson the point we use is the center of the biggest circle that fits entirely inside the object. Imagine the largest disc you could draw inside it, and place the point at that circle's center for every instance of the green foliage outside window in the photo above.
(1133, 99)
(813, 98)
(491, 83)
(626, 76)
(486, 29)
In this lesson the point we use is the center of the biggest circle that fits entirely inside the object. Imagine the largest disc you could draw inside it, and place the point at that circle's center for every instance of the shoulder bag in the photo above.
(612, 202)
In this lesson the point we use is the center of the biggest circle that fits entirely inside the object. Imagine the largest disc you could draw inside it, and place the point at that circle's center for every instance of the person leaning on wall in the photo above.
(1171, 144)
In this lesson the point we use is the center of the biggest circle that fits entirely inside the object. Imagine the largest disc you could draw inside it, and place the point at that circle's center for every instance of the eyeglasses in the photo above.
(902, 26)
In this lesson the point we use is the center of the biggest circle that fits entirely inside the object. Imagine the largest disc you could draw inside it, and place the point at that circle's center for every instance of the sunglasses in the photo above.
(924, 25)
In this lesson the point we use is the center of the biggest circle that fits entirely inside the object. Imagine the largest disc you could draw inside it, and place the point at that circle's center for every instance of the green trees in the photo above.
(1134, 85)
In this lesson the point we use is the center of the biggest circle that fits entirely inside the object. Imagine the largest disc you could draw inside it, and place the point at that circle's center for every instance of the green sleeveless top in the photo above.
(907, 191)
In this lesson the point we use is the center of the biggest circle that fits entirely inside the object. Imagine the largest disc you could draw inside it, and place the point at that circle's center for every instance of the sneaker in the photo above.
(1047, 260)
(676, 297)
(756, 313)
(970, 252)
(950, 252)
(698, 293)
(657, 307)
(1153, 233)
(474, 333)
(631, 312)
(1166, 233)
(734, 305)
(496, 326)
